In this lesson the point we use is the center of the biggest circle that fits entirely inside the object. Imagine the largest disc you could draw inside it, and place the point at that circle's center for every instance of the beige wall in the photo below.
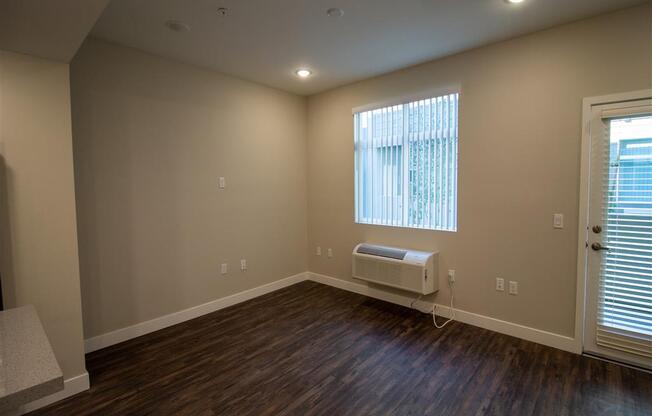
(151, 138)
(519, 152)
(39, 259)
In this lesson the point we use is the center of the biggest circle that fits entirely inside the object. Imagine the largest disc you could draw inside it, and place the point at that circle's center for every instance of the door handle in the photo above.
(598, 247)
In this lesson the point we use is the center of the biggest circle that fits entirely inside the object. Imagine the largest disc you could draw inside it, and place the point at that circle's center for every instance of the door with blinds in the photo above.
(618, 309)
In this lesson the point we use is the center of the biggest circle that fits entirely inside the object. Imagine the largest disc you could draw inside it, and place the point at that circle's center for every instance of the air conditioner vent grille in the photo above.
(392, 253)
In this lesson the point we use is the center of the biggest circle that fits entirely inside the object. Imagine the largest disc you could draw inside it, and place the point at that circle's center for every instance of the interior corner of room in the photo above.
(213, 186)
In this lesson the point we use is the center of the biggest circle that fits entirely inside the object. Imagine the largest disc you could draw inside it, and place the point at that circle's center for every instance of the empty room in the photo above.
(326, 207)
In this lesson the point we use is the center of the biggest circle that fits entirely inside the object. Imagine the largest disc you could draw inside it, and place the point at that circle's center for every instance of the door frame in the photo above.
(585, 182)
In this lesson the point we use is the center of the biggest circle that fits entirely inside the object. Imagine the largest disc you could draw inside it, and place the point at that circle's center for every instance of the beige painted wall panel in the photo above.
(519, 153)
(39, 259)
(151, 138)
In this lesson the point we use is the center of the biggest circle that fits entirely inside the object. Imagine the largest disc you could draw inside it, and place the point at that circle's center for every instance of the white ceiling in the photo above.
(266, 40)
(52, 29)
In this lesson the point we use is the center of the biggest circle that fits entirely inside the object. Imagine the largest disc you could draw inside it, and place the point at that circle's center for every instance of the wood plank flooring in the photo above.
(311, 349)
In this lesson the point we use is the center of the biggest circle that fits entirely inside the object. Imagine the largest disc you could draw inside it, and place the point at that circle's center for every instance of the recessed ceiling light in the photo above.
(514, 1)
(303, 72)
(335, 12)
(222, 11)
(177, 26)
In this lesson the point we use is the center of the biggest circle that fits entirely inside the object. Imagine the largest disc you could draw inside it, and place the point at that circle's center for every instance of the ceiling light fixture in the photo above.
(222, 11)
(303, 72)
(335, 12)
(514, 1)
(177, 26)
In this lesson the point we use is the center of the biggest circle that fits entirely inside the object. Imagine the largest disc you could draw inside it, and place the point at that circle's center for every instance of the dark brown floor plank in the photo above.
(315, 350)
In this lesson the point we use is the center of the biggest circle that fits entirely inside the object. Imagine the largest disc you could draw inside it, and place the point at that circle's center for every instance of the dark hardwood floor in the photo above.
(315, 350)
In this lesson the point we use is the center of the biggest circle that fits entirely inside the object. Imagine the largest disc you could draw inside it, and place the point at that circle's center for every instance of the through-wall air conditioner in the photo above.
(415, 271)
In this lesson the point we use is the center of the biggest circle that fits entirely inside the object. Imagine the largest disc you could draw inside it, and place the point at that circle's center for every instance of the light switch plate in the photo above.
(243, 264)
(318, 251)
(330, 253)
(224, 268)
(558, 221)
(222, 182)
(513, 288)
(500, 284)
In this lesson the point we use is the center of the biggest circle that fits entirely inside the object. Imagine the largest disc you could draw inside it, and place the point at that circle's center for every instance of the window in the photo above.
(406, 164)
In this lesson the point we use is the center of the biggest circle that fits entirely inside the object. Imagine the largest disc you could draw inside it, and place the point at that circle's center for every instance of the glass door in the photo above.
(619, 234)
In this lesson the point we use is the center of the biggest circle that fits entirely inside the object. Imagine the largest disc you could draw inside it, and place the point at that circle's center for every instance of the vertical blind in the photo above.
(625, 285)
(406, 164)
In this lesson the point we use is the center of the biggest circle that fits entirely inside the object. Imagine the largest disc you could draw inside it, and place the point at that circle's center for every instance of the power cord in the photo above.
(434, 308)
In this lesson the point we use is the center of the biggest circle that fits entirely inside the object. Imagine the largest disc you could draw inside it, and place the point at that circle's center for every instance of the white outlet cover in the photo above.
(318, 251)
(224, 268)
(330, 253)
(222, 182)
(243, 264)
(500, 284)
(513, 288)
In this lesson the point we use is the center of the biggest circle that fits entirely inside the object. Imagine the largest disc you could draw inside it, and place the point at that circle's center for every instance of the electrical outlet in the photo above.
(513, 288)
(500, 284)
(451, 276)
(243, 264)
(330, 253)
(224, 269)
(318, 251)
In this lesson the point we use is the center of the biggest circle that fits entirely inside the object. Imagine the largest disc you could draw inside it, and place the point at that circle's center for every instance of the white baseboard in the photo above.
(124, 334)
(71, 386)
(504, 327)
(520, 331)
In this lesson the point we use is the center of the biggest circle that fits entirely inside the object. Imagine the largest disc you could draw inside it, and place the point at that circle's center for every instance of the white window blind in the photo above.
(625, 293)
(406, 164)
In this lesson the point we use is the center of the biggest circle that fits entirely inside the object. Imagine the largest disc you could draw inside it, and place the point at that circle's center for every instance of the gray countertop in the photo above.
(28, 367)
